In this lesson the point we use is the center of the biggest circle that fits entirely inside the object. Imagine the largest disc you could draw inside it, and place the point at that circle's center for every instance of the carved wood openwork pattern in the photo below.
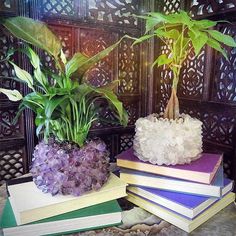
(171, 6)
(8, 6)
(192, 75)
(126, 141)
(59, 7)
(225, 74)
(91, 42)
(116, 12)
(7, 127)
(128, 65)
(11, 164)
(209, 7)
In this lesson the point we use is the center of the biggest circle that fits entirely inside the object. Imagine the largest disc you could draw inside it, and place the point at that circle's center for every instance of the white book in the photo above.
(30, 204)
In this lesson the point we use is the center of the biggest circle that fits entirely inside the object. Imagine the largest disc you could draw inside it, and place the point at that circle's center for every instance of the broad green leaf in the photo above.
(52, 104)
(35, 33)
(183, 18)
(143, 38)
(34, 58)
(40, 77)
(225, 39)
(110, 97)
(173, 34)
(39, 129)
(23, 75)
(111, 86)
(151, 23)
(199, 41)
(13, 95)
(204, 24)
(214, 44)
(162, 60)
(161, 17)
(63, 57)
(74, 63)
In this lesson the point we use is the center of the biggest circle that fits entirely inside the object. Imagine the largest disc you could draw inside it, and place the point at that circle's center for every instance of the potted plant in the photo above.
(65, 162)
(175, 138)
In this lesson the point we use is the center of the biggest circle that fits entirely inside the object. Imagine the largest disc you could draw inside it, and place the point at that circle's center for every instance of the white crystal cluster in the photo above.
(162, 141)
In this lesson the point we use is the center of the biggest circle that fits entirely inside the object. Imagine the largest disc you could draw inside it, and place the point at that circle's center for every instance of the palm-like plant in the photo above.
(64, 108)
(181, 34)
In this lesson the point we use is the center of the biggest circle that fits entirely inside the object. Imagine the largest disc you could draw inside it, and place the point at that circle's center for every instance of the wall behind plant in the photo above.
(86, 26)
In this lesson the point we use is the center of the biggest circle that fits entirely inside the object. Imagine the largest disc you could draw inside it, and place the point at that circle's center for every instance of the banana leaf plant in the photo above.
(181, 34)
(64, 108)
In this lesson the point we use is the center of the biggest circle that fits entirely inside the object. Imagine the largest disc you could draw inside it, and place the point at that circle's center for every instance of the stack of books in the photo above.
(28, 211)
(184, 195)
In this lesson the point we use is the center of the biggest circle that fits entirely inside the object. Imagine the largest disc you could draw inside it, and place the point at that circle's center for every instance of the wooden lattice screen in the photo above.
(207, 90)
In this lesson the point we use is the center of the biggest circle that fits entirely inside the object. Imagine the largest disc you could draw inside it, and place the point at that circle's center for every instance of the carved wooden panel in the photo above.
(116, 12)
(169, 7)
(8, 6)
(224, 89)
(7, 127)
(6, 42)
(192, 76)
(11, 163)
(128, 67)
(66, 35)
(126, 141)
(92, 42)
(210, 7)
(59, 8)
(218, 126)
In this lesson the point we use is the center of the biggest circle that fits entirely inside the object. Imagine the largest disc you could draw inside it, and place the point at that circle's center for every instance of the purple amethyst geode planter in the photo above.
(64, 168)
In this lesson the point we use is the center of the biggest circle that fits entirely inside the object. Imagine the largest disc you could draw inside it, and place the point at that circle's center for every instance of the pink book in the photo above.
(201, 170)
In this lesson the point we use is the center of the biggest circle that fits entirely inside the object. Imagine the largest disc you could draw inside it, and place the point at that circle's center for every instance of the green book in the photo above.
(93, 217)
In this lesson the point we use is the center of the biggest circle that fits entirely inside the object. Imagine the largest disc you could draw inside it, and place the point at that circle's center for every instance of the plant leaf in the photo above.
(162, 60)
(214, 44)
(35, 33)
(225, 39)
(34, 58)
(52, 104)
(198, 41)
(23, 75)
(13, 95)
(63, 57)
(74, 63)
(143, 38)
(204, 24)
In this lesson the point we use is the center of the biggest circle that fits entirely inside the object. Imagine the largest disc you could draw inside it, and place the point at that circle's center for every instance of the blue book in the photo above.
(189, 206)
(140, 178)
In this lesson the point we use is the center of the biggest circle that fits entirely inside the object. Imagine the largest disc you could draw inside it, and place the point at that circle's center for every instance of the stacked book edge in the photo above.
(29, 211)
(184, 195)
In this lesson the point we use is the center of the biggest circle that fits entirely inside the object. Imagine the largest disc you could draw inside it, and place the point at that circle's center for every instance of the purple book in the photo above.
(187, 205)
(201, 170)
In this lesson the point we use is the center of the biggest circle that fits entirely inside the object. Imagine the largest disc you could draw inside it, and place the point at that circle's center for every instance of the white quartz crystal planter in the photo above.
(162, 141)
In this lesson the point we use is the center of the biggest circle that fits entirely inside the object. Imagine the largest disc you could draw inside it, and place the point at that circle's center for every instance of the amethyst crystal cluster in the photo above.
(64, 168)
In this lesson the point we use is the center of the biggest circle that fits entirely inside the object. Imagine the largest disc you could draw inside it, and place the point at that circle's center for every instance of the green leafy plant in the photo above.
(64, 107)
(181, 34)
